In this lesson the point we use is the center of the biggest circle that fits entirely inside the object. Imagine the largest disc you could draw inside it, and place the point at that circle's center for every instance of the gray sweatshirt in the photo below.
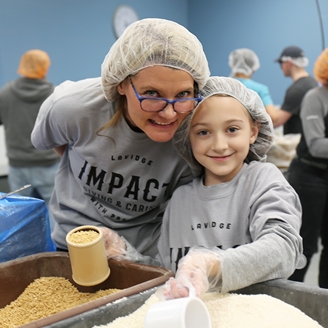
(314, 116)
(20, 102)
(117, 178)
(252, 222)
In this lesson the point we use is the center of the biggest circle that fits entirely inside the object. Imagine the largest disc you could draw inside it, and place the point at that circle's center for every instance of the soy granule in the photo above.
(233, 311)
(83, 236)
(43, 297)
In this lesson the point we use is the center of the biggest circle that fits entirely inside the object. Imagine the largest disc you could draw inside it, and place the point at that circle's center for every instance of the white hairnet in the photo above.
(250, 100)
(295, 55)
(243, 61)
(299, 62)
(150, 42)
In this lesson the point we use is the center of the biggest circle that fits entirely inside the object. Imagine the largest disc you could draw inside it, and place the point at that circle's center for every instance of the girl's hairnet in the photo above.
(243, 61)
(250, 100)
(150, 42)
(321, 68)
(34, 64)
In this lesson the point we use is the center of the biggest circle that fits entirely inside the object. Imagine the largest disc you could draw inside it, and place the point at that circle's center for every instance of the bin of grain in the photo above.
(20, 275)
(87, 254)
(292, 304)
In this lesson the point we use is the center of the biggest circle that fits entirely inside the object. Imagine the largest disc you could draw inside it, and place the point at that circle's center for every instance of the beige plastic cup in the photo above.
(188, 312)
(88, 258)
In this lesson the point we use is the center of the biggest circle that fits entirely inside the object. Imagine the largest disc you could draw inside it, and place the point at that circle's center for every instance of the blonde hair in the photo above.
(119, 106)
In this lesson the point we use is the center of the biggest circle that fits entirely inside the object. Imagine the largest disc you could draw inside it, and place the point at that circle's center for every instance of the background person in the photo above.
(20, 101)
(244, 63)
(292, 61)
(239, 221)
(119, 166)
(308, 172)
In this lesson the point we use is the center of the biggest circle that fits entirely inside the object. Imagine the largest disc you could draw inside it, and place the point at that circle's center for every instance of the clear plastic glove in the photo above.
(199, 270)
(118, 247)
(114, 245)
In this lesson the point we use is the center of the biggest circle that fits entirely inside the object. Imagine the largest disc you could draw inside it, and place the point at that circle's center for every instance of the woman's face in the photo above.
(160, 82)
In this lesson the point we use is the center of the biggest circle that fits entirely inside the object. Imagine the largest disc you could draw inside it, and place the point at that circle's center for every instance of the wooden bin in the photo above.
(132, 278)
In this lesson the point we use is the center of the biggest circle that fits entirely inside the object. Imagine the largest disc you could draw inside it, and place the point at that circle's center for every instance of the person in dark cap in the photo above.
(292, 61)
(20, 101)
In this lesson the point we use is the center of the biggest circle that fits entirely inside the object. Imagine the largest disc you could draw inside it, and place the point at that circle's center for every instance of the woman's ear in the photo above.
(254, 132)
(121, 88)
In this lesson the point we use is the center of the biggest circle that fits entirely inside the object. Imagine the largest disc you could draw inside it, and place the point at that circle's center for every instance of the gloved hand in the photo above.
(118, 247)
(114, 244)
(199, 270)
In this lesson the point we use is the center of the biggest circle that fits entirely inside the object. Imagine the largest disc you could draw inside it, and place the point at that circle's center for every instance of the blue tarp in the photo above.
(24, 227)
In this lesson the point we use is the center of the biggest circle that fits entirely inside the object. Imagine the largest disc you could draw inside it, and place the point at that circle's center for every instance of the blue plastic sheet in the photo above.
(24, 227)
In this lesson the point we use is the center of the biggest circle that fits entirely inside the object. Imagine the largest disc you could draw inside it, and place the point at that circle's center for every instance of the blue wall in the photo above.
(262, 25)
(77, 34)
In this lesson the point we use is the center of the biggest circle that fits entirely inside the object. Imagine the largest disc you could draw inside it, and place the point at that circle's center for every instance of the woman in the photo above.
(118, 166)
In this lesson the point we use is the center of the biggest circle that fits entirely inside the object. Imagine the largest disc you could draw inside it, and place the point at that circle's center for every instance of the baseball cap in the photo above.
(295, 55)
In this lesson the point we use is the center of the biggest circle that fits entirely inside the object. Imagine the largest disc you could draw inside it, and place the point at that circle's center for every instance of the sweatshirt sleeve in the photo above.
(276, 253)
(68, 113)
(313, 115)
(55, 119)
(276, 249)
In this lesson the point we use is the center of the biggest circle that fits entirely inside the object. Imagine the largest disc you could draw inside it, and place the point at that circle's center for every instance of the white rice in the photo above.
(233, 311)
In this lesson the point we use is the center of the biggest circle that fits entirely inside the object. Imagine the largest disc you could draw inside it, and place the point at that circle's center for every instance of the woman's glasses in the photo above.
(182, 105)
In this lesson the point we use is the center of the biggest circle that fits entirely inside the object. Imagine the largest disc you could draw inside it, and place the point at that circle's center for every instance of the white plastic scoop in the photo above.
(187, 312)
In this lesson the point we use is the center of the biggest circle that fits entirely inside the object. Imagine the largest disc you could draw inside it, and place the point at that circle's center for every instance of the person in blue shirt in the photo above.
(243, 63)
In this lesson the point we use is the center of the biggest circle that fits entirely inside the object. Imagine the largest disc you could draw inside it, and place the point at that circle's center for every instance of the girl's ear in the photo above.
(254, 132)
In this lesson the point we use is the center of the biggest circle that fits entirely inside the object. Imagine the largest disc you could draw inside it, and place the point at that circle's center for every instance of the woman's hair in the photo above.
(119, 106)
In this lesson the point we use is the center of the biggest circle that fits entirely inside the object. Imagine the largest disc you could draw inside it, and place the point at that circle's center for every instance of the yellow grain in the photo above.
(83, 236)
(43, 297)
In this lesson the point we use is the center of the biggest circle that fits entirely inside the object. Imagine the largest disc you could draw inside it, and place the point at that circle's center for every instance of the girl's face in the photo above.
(221, 132)
(159, 82)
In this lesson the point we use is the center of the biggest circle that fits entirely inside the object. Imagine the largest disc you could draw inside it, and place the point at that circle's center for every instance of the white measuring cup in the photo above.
(187, 312)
